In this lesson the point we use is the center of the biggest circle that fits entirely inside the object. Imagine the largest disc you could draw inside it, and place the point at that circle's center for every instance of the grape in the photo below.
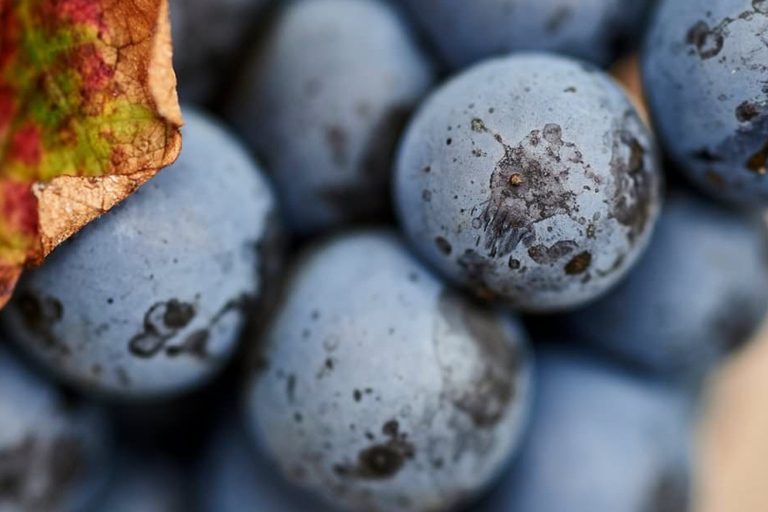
(148, 300)
(54, 452)
(384, 390)
(207, 36)
(704, 68)
(530, 179)
(324, 100)
(468, 32)
(599, 441)
(231, 478)
(699, 292)
(145, 483)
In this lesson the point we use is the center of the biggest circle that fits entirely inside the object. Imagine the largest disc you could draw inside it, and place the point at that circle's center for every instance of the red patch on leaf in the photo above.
(85, 12)
(19, 206)
(6, 107)
(25, 145)
(96, 73)
(9, 35)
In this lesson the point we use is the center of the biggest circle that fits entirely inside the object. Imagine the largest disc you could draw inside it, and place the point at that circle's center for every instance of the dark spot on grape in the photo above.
(544, 255)
(706, 155)
(380, 461)
(178, 314)
(161, 322)
(635, 185)
(559, 18)
(391, 428)
(478, 126)
(579, 264)
(443, 245)
(708, 41)
(39, 315)
(358, 395)
(290, 388)
(336, 138)
(747, 111)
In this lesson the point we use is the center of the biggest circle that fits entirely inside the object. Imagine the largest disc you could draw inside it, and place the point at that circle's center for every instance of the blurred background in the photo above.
(733, 435)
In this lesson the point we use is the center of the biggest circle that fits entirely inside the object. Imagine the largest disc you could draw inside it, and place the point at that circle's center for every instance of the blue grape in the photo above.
(530, 179)
(704, 69)
(698, 293)
(148, 300)
(232, 477)
(55, 454)
(383, 389)
(145, 483)
(468, 32)
(599, 441)
(323, 102)
(207, 38)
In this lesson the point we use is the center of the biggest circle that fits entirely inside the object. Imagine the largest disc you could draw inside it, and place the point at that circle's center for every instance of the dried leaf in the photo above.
(88, 113)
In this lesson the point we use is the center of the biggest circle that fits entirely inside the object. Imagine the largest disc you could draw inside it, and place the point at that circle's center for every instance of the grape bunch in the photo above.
(415, 256)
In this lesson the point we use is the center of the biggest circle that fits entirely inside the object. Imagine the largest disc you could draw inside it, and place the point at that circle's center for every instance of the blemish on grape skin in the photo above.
(161, 322)
(579, 264)
(527, 186)
(489, 394)
(443, 245)
(708, 41)
(380, 461)
(634, 185)
(747, 111)
(39, 315)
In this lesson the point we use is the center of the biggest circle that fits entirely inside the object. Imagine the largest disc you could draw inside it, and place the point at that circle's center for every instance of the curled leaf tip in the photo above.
(88, 113)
